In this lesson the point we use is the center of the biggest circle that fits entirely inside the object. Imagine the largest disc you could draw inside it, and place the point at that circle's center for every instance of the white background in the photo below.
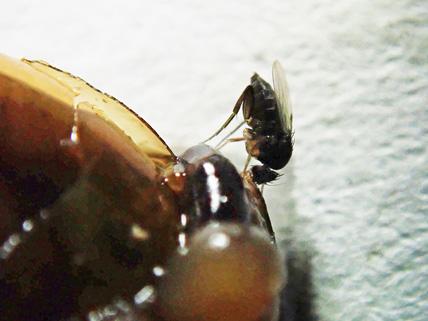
(355, 193)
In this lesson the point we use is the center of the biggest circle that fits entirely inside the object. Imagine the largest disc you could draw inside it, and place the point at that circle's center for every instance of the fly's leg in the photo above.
(225, 138)
(247, 162)
(241, 100)
(230, 140)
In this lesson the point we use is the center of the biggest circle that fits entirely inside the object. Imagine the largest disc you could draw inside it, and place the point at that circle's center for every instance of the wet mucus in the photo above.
(215, 191)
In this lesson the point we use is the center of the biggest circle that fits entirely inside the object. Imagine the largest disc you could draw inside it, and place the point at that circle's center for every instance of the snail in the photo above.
(93, 222)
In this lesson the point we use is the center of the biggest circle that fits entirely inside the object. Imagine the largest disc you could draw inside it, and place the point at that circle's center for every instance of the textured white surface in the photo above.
(355, 194)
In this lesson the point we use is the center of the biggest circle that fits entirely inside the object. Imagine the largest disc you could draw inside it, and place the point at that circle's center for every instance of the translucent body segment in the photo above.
(230, 272)
(50, 82)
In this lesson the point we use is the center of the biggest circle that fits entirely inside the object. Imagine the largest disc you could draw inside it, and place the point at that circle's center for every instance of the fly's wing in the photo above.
(112, 110)
(280, 86)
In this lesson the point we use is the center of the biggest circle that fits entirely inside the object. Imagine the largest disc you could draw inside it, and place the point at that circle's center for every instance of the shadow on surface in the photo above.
(297, 298)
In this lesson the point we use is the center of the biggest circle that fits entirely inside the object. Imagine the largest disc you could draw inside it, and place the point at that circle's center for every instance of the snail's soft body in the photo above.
(87, 220)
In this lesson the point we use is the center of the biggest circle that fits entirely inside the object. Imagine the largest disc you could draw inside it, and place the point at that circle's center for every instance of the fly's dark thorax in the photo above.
(264, 112)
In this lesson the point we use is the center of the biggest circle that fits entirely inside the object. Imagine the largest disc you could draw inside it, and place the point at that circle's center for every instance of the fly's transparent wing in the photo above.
(280, 86)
